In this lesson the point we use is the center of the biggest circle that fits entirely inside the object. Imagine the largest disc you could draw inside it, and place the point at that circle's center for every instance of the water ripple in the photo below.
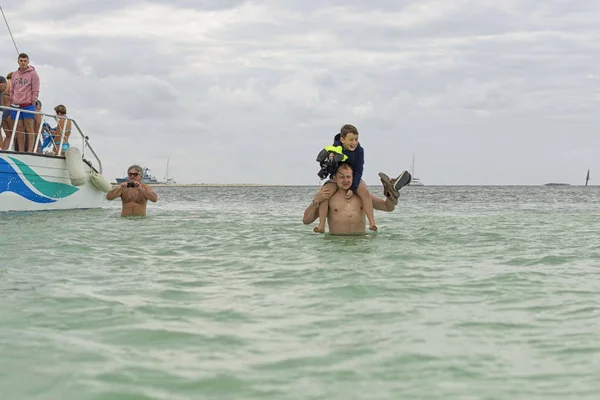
(220, 293)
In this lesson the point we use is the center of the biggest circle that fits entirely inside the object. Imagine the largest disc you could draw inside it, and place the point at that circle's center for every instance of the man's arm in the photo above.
(35, 87)
(147, 191)
(114, 193)
(12, 90)
(381, 204)
(312, 211)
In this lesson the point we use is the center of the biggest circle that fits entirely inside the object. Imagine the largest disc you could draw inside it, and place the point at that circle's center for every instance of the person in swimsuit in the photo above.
(63, 128)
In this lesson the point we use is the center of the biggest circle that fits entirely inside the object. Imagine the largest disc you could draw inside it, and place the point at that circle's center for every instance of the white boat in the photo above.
(41, 181)
(169, 180)
(414, 181)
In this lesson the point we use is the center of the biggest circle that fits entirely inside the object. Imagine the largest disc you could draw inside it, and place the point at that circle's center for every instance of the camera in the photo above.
(327, 168)
(329, 163)
(130, 184)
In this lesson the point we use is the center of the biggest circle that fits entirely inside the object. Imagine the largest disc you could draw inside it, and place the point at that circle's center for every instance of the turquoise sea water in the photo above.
(222, 293)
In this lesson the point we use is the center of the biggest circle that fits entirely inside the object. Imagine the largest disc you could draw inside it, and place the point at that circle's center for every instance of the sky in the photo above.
(480, 92)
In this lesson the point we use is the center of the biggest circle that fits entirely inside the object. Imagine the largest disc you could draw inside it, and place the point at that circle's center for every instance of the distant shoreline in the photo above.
(216, 185)
(175, 185)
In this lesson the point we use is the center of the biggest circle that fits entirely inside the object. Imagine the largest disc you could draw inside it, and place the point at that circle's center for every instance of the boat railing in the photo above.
(82, 140)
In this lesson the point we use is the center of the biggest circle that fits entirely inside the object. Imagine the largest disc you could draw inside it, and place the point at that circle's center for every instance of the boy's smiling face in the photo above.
(350, 142)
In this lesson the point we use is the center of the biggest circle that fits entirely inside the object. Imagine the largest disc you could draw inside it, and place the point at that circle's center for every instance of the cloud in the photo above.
(473, 88)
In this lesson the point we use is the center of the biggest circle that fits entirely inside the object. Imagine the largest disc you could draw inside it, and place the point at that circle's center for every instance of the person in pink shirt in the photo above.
(24, 92)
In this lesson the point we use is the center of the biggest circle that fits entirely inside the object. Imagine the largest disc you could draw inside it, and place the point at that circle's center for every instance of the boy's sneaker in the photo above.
(402, 180)
(388, 188)
(391, 187)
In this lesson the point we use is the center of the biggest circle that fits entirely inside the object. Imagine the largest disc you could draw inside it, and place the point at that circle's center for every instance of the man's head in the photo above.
(343, 176)
(23, 61)
(349, 137)
(135, 173)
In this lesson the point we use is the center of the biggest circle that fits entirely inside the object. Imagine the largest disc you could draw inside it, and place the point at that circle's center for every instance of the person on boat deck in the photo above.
(24, 91)
(7, 122)
(63, 128)
(56, 134)
(134, 194)
(5, 113)
(346, 215)
(37, 119)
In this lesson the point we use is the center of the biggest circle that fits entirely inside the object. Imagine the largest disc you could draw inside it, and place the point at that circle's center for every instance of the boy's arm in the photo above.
(358, 169)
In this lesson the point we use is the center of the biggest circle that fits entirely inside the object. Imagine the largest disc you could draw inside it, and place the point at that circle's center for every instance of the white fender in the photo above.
(101, 183)
(75, 167)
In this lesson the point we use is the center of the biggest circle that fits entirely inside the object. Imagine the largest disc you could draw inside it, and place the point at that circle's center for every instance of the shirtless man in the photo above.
(134, 198)
(346, 215)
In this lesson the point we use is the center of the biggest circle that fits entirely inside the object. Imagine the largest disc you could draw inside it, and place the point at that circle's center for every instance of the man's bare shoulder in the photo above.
(336, 199)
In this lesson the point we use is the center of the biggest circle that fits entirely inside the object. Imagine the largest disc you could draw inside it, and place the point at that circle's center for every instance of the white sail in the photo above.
(414, 180)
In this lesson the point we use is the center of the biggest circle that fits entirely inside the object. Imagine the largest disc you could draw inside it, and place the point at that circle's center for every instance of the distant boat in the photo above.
(168, 180)
(557, 184)
(587, 177)
(150, 179)
(414, 181)
(146, 178)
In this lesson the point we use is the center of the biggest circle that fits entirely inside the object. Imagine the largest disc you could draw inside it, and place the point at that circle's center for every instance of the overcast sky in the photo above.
(480, 91)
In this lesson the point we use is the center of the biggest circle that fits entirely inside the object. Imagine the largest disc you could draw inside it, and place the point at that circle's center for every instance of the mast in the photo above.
(587, 177)
(7, 26)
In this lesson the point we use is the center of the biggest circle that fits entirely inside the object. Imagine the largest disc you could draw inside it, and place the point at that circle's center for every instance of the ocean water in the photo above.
(223, 293)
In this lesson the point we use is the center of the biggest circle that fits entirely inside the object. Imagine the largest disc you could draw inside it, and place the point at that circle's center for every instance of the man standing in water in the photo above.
(346, 216)
(134, 194)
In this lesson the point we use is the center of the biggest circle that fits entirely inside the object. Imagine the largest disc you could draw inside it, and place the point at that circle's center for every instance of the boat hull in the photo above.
(36, 182)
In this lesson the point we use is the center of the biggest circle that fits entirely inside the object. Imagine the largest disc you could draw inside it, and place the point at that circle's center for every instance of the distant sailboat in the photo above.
(414, 181)
(151, 180)
(587, 177)
(168, 179)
